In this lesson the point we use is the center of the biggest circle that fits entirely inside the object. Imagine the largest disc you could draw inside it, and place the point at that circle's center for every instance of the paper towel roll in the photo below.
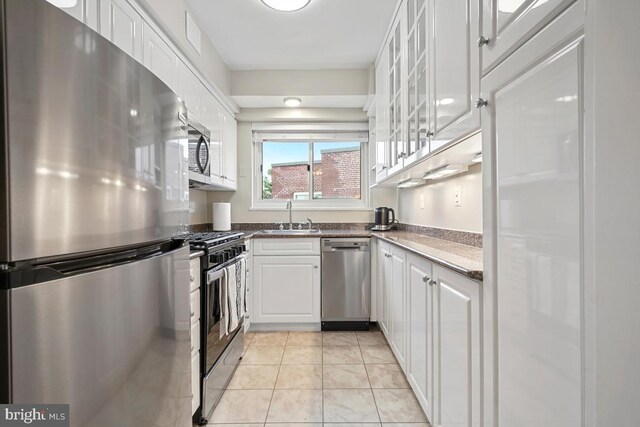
(222, 216)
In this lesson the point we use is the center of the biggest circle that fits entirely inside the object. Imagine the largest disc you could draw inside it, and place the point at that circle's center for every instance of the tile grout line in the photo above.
(273, 392)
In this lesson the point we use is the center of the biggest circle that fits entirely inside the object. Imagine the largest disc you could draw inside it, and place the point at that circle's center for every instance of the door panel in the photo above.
(122, 25)
(159, 58)
(534, 130)
(510, 23)
(93, 161)
(420, 354)
(383, 288)
(287, 289)
(455, 70)
(113, 343)
(457, 329)
(398, 305)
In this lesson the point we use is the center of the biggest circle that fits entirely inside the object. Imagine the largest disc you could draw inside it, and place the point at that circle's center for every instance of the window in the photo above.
(318, 169)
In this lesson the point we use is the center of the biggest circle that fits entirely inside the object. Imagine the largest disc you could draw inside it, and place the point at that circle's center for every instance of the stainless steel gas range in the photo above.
(221, 352)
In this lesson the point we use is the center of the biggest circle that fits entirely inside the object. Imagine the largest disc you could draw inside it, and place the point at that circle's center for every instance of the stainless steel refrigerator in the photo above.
(94, 307)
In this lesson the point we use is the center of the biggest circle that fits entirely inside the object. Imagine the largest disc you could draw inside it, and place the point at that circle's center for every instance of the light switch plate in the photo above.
(457, 193)
(192, 207)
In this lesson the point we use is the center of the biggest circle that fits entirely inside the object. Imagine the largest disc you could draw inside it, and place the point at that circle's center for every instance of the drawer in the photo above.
(195, 382)
(194, 274)
(195, 306)
(287, 246)
(195, 337)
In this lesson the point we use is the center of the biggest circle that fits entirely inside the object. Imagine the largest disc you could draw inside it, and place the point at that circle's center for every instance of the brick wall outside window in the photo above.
(337, 175)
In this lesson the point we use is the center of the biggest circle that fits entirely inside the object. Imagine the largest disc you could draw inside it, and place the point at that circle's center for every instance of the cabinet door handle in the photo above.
(426, 279)
(430, 134)
(482, 41)
(432, 282)
(315, 266)
(481, 103)
(192, 278)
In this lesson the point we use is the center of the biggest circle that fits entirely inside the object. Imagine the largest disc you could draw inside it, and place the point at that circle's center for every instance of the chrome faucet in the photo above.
(289, 208)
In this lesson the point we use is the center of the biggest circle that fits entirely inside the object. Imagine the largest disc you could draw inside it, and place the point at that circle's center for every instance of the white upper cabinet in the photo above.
(160, 58)
(83, 10)
(381, 146)
(395, 89)
(121, 24)
(533, 152)
(507, 24)
(230, 150)
(420, 353)
(418, 107)
(455, 70)
(191, 91)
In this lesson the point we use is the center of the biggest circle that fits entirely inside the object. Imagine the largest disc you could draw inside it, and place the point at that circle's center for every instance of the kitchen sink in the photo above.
(313, 231)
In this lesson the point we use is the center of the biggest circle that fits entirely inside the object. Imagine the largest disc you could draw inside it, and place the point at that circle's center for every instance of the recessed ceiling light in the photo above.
(64, 3)
(292, 102)
(286, 5)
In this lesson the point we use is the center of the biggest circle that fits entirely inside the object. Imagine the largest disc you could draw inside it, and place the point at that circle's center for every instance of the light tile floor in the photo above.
(318, 379)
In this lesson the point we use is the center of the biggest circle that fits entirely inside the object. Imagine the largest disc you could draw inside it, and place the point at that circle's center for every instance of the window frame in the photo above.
(363, 203)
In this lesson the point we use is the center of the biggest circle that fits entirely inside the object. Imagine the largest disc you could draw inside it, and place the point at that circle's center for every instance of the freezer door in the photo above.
(95, 154)
(113, 343)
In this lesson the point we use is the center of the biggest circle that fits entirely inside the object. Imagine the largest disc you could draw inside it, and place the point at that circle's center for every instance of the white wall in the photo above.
(170, 15)
(439, 207)
(241, 199)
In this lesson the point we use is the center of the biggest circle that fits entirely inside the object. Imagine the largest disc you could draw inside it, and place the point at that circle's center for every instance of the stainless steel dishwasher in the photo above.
(346, 284)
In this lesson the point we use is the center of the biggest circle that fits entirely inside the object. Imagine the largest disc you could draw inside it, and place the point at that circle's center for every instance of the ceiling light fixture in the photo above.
(65, 4)
(292, 102)
(286, 5)
(477, 158)
(445, 171)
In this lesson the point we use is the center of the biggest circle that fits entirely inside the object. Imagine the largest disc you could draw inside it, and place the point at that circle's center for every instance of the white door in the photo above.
(188, 87)
(160, 58)
(507, 24)
(418, 112)
(85, 11)
(533, 146)
(122, 25)
(384, 272)
(381, 144)
(420, 353)
(398, 305)
(395, 88)
(249, 285)
(286, 289)
(230, 149)
(455, 70)
(457, 352)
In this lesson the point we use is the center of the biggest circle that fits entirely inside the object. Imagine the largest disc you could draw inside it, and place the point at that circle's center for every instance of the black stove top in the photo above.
(213, 238)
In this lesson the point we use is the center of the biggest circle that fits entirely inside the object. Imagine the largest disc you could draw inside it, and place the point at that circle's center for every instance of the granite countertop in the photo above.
(463, 259)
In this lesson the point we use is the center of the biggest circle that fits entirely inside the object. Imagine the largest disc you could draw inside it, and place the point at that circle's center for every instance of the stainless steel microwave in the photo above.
(199, 154)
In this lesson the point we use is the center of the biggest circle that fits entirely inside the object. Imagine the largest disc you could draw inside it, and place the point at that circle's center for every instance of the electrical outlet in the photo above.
(421, 201)
(192, 207)
(457, 194)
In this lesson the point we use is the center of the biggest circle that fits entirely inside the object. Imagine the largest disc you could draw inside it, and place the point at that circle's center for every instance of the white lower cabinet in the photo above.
(286, 289)
(195, 382)
(383, 280)
(431, 318)
(457, 349)
(398, 305)
(420, 354)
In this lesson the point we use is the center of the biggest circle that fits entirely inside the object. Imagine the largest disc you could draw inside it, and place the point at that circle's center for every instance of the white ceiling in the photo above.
(324, 35)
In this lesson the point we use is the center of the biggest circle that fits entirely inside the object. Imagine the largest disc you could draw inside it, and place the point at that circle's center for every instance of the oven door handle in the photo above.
(212, 276)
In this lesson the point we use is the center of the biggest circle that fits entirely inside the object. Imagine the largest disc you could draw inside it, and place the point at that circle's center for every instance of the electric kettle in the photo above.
(384, 221)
